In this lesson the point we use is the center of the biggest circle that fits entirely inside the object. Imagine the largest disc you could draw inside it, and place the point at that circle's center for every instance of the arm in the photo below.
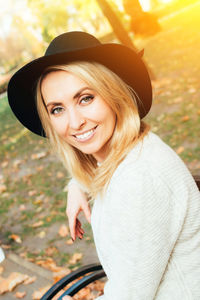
(77, 201)
(142, 228)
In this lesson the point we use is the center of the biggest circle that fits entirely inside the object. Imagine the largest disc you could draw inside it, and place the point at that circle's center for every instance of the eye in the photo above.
(56, 110)
(86, 99)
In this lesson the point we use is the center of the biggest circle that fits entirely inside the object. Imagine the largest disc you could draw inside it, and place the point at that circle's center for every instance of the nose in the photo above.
(76, 119)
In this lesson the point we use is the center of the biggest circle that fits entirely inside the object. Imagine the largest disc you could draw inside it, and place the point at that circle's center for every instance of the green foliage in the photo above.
(52, 17)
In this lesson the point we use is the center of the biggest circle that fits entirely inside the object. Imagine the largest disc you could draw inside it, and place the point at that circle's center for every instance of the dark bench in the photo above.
(90, 272)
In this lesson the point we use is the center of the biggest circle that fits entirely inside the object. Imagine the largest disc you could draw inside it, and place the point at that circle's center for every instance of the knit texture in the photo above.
(147, 227)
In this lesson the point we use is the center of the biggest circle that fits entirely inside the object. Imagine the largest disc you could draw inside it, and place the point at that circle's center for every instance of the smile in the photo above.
(86, 135)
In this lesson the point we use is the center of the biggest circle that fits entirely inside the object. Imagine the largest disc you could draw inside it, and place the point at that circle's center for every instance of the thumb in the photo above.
(87, 212)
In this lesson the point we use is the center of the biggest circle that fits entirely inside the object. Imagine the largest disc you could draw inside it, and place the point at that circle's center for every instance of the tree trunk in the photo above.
(118, 28)
(116, 25)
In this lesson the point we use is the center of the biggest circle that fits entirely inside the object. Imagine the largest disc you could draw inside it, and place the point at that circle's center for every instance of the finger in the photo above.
(77, 221)
(79, 230)
(72, 226)
(67, 298)
(78, 226)
(79, 234)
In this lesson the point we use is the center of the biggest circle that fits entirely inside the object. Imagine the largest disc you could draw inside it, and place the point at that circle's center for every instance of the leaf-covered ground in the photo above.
(32, 181)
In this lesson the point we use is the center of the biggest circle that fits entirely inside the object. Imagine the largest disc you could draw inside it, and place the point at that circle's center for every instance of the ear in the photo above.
(141, 53)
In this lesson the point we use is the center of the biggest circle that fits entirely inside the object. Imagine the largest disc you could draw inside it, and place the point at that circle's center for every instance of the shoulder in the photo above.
(153, 168)
(153, 158)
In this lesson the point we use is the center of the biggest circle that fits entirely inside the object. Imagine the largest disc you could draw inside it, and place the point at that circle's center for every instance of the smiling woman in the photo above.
(94, 107)
(91, 99)
(78, 114)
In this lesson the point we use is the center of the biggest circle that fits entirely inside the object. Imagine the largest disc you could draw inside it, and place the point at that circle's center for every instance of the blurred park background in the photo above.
(33, 183)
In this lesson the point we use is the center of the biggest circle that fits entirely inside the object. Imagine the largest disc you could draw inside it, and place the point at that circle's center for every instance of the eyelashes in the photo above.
(56, 110)
(87, 98)
(84, 100)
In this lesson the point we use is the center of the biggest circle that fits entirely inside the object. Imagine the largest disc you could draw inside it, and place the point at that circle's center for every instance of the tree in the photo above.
(116, 25)
(52, 17)
(118, 28)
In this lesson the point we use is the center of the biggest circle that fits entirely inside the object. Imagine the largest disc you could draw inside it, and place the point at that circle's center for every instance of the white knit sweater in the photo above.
(147, 227)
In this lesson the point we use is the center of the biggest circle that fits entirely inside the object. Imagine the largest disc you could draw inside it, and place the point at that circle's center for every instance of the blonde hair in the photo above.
(129, 129)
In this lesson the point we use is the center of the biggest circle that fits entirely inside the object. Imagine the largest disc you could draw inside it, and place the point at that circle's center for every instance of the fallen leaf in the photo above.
(56, 297)
(38, 155)
(42, 234)
(2, 188)
(16, 163)
(16, 238)
(37, 295)
(5, 195)
(4, 164)
(98, 285)
(51, 250)
(185, 118)
(30, 280)
(60, 274)
(180, 150)
(178, 100)
(161, 82)
(48, 219)
(83, 293)
(20, 295)
(27, 178)
(37, 201)
(75, 258)
(1, 178)
(37, 224)
(23, 254)
(9, 283)
(32, 193)
(69, 242)
(49, 264)
(22, 207)
(60, 175)
(63, 230)
(39, 209)
(40, 168)
(192, 90)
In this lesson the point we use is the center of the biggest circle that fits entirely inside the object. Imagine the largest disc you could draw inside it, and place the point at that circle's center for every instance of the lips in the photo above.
(86, 135)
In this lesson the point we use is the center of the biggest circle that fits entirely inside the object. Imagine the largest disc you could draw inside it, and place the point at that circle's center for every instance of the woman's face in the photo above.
(78, 114)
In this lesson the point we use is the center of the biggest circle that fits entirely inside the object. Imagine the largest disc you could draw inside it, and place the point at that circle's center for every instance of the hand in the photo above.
(77, 201)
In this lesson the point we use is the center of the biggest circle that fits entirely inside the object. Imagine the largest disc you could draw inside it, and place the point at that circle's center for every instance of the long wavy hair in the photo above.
(129, 129)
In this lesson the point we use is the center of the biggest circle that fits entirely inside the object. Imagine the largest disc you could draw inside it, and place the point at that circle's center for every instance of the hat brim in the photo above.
(126, 63)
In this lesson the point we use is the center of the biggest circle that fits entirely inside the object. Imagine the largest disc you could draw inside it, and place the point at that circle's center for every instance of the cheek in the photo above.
(59, 125)
(110, 119)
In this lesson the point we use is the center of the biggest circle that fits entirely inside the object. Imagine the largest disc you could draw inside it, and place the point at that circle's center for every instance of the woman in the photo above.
(90, 102)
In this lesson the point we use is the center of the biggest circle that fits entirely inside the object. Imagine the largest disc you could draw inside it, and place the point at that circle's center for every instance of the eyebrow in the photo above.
(74, 97)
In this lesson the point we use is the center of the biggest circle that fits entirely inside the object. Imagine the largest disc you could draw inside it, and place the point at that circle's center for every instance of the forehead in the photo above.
(59, 84)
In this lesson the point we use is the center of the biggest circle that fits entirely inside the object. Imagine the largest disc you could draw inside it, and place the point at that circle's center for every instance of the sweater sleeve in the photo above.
(141, 225)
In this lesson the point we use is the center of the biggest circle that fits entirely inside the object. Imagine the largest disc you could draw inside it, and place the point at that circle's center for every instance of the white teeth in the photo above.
(85, 135)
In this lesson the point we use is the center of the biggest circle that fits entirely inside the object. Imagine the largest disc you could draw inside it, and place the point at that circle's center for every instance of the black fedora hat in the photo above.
(77, 46)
